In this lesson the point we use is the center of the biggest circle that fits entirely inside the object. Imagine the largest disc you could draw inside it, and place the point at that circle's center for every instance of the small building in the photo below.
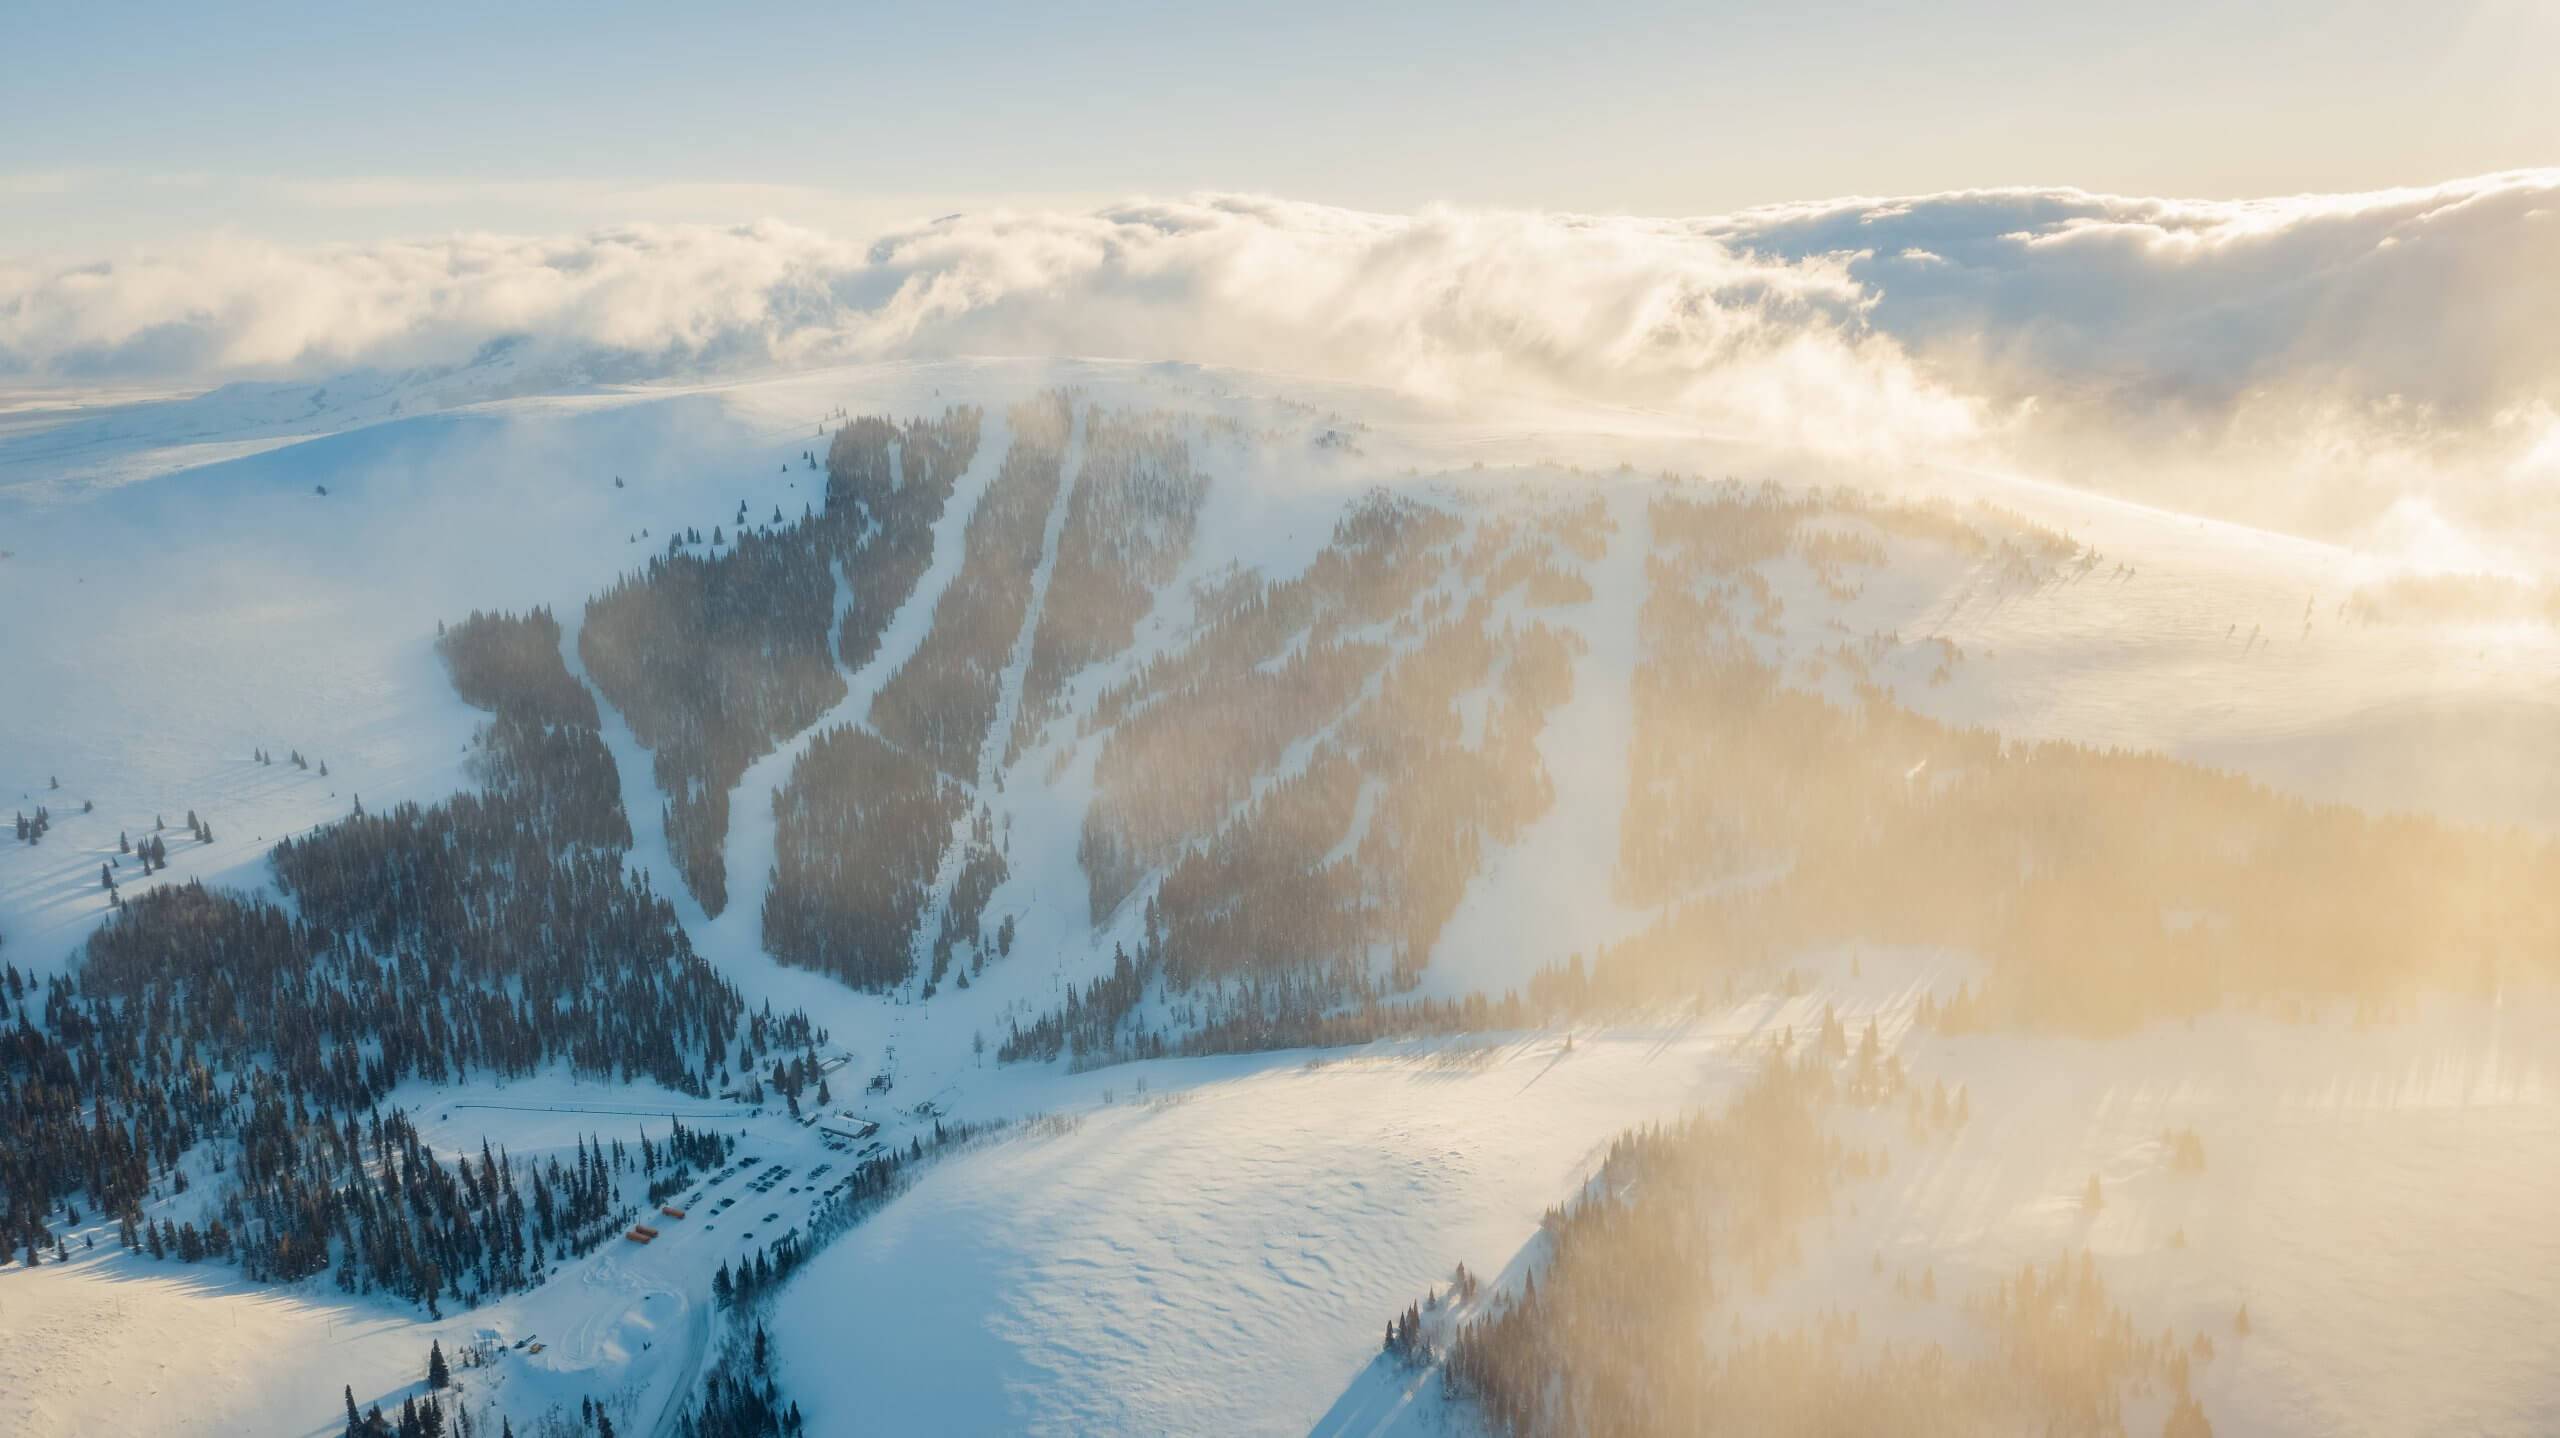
(848, 1124)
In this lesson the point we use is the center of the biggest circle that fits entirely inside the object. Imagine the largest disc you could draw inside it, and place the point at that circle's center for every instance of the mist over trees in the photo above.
(713, 658)
(1129, 525)
(1296, 894)
(941, 701)
(1634, 1321)
(875, 818)
(2104, 887)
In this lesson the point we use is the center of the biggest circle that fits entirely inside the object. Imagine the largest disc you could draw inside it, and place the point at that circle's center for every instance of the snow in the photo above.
(1217, 1252)
(1221, 1255)
(734, 941)
(160, 632)
(625, 1322)
(1549, 895)
(2388, 716)
(2378, 1195)
(987, 773)
(101, 1349)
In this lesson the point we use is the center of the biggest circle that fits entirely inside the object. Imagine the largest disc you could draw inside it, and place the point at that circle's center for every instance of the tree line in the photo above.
(715, 657)
(496, 933)
(2103, 887)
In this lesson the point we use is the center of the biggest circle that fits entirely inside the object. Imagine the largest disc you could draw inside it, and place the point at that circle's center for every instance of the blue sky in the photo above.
(125, 123)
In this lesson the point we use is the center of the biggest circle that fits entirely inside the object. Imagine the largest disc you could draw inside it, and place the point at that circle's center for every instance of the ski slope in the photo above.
(174, 622)
(1217, 1254)
(1213, 1252)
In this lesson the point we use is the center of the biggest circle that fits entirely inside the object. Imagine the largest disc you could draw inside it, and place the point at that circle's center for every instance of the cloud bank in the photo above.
(2355, 363)
(2385, 363)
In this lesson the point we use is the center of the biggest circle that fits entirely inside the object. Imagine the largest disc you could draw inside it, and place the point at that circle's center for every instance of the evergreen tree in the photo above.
(2186, 1420)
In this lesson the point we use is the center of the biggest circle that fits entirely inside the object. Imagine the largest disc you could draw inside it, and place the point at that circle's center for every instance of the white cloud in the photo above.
(2308, 361)
(1450, 302)
(2445, 297)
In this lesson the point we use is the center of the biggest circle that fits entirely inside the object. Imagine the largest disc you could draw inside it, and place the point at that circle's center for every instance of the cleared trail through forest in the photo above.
(991, 746)
(733, 942)
(738, 934)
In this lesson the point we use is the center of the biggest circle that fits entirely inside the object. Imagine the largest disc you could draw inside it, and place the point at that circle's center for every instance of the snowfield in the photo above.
(1214, 1253)
(2375, 1194)
(122, 1349)
(1213, 1245)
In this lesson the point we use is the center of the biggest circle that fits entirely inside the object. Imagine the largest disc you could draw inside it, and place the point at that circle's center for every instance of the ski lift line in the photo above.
(610, 1109)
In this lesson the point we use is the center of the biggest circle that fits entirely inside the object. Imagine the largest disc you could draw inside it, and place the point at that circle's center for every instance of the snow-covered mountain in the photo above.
(1075, 745)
